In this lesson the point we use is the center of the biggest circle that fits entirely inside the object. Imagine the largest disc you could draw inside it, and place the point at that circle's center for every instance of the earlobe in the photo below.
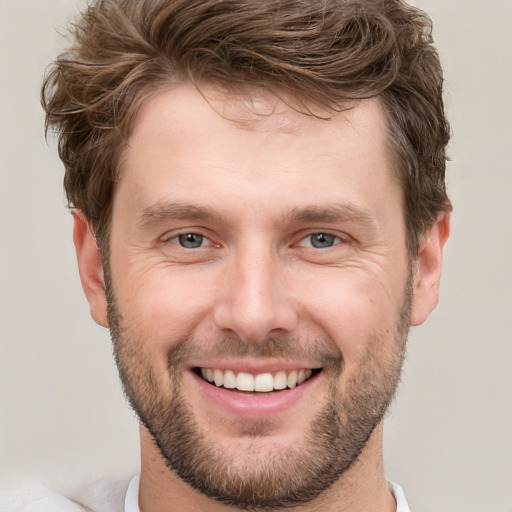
(90, 267)
(428, 268)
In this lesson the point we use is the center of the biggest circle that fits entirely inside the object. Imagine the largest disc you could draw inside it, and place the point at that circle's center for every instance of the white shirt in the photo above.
(131, 502)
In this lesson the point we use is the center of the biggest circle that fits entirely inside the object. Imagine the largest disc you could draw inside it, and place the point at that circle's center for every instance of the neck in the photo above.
(362, 488)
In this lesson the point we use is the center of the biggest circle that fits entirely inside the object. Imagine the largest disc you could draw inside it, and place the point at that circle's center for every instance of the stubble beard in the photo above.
(259, 479)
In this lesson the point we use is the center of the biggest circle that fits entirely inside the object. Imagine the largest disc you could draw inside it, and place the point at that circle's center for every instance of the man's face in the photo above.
(256, 246)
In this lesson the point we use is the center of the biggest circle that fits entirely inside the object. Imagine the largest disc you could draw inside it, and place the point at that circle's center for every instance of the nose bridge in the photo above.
(255, 301)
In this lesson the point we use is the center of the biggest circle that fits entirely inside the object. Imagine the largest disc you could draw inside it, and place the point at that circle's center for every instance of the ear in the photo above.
(90, 267)
(428, 269)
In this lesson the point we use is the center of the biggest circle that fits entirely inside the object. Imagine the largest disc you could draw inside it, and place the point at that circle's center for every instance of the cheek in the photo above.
(162, 306)
(356, 310)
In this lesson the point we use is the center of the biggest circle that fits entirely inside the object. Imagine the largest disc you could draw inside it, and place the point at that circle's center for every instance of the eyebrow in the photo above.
(163, 211)
(332, 214)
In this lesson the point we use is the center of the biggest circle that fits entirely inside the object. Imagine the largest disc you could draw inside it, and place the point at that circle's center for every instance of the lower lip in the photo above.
(253, 405)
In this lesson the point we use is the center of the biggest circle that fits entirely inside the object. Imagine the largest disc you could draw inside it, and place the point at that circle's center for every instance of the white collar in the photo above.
(131, 502)
(398, 493)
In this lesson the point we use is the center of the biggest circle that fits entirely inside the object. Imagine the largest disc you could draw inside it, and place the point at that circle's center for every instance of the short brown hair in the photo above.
(323, 52)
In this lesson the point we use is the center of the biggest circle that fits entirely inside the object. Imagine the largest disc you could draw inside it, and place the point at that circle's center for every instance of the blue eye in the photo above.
(322, 240)
(190, 240)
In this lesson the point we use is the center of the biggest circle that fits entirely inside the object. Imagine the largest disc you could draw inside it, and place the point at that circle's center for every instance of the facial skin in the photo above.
(267, 244)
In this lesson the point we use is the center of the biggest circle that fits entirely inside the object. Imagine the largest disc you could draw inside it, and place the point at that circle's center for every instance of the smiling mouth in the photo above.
(260, 383)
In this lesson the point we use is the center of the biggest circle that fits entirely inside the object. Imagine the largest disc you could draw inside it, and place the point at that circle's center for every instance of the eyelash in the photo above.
(329, 237)
(179, 239)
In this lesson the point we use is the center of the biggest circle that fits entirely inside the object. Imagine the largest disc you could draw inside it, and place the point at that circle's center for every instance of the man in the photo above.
(260, 213)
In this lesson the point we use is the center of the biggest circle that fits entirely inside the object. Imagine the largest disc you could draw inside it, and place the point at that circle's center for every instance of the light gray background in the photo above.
(448, 437)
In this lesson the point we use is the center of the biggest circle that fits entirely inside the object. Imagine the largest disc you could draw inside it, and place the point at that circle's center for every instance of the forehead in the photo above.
(255, 109)
(254, 146)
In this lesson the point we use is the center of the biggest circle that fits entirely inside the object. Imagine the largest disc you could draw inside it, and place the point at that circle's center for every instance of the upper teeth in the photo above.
(262, 382)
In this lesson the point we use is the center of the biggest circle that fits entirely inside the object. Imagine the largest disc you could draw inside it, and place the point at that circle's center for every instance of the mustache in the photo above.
(321, 350)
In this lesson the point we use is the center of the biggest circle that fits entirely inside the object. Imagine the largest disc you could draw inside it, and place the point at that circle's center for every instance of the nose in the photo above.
(254, 300)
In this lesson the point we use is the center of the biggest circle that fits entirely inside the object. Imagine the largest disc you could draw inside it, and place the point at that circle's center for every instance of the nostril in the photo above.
(254, 305)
